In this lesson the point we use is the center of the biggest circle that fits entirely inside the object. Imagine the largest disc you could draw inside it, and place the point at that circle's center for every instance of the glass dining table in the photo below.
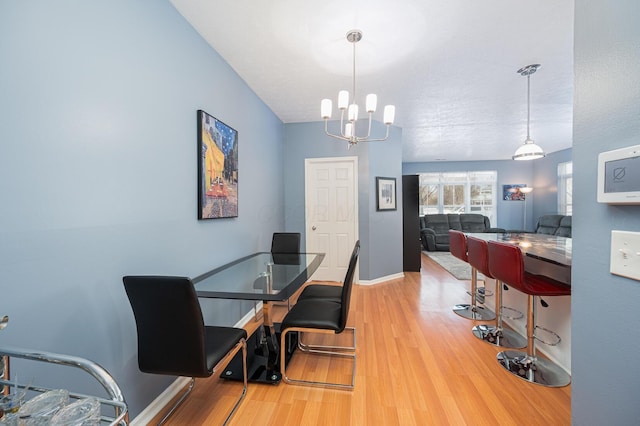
(266, 277)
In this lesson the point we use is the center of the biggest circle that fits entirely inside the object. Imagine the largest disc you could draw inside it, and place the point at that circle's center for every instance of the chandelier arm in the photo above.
(377, 139)
(326, 130)
(342, 123)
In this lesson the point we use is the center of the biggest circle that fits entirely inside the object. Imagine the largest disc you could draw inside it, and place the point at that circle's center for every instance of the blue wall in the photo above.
(98, 174)
(545, 182)
(380, 232)
(604, 307)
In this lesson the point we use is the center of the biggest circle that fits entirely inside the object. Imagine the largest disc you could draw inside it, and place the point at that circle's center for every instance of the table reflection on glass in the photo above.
(265, 277)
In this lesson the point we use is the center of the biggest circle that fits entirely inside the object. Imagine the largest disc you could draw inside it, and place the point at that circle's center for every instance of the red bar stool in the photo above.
(507, 265)
(478, 255)
(458, 248)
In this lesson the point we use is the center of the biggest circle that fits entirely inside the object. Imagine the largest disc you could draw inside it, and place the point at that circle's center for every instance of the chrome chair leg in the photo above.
(473, 311)
(292, 381)
(497, 335)
(526, 365)
(312, 348)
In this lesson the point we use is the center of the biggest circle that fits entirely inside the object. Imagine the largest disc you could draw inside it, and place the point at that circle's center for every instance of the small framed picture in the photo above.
(386, 190)
(512, 192)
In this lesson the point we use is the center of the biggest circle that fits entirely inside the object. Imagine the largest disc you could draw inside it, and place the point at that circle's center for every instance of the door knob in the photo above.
(313, 228)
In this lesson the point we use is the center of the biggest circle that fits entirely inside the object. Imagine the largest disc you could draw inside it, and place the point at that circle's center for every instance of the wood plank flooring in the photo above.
(417, 364)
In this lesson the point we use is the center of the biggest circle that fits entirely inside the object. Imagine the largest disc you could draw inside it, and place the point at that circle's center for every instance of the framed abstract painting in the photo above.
(386, 193)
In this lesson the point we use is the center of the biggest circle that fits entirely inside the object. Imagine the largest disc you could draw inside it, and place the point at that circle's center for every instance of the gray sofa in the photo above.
(554, 224)
(434, 228)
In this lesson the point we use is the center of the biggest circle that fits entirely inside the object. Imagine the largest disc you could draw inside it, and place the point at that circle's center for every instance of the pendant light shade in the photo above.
(529, 150)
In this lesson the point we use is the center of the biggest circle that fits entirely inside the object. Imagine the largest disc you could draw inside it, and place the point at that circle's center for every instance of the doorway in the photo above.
(331, 213)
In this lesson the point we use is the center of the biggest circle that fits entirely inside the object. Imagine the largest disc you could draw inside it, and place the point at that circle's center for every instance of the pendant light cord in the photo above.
(528, 103)
(354, 71)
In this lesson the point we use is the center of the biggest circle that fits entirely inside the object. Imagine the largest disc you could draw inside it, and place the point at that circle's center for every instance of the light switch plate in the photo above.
(625, 254)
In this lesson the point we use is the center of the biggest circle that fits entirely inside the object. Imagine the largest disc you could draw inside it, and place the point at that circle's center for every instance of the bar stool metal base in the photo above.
(535, 370)
(478, 313)
(503, 338)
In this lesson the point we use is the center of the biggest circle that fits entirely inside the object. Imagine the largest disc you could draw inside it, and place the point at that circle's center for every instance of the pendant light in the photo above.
(529, 150)
(347, 131)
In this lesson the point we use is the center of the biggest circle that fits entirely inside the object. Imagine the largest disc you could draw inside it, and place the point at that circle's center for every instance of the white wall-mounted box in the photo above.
(619, 176)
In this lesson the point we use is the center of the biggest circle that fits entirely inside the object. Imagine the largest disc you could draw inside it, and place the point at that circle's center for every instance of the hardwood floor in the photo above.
(417, 364)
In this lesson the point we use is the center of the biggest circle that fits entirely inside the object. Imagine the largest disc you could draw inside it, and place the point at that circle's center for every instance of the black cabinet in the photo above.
(411, 223)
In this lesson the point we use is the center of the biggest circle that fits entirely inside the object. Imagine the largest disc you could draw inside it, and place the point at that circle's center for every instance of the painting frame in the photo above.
(512, 192)
(217, 168)
(386, 199)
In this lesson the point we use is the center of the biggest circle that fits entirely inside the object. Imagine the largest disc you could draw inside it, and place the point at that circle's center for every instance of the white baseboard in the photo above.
(382, 279)
(157, 405)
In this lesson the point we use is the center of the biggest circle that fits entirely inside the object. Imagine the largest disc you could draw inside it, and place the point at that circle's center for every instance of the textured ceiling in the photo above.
(449, 67)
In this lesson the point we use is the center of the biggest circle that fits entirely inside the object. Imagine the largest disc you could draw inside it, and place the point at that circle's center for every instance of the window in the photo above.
(459, 192)
(565, 188)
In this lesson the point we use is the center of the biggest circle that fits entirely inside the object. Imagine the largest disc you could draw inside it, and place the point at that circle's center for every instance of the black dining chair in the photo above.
(282, 243)
(172, 337)
(322, 316)
(285, 242)
(325, 292)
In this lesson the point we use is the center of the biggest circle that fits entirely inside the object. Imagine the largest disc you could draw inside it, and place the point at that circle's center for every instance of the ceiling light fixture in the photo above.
(348, 129)
(528, 151)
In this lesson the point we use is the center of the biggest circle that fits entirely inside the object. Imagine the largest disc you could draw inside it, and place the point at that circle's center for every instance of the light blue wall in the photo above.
(604, 307)
(544, 198)
(98, 174)
(380, 232)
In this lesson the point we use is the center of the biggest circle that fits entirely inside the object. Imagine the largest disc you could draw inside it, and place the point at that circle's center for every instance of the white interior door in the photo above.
(331, 213)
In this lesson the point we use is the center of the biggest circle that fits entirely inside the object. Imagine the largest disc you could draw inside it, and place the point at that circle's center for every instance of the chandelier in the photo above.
(528, 151)
(348, 128)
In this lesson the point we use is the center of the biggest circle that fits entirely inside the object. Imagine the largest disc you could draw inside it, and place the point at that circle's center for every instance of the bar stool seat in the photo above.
(507, 265)
(478, 255)
(458, 248)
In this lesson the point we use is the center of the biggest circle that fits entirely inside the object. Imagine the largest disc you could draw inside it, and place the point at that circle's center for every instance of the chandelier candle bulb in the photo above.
(371, 102)
(389, 114)
(348, 130)
(353, 112)
(343, 99)
(325, 108)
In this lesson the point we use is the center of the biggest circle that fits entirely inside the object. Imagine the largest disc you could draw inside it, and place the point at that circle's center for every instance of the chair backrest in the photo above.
(171, 332)
(478, 255)
(438, 222)
(285, 242)
(564, 230)
(474, 222)
(548, 224)
(458, 244)
(506, 264)
(347, 286)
